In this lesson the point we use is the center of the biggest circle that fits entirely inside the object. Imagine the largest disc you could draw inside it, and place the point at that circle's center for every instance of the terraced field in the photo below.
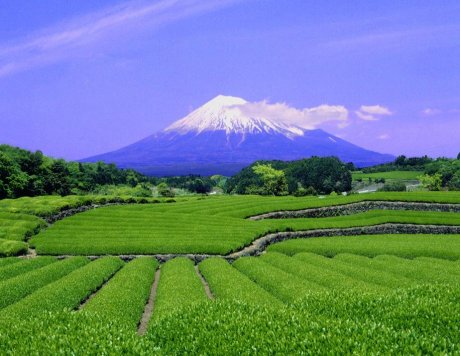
(218, 225)
(367, 293)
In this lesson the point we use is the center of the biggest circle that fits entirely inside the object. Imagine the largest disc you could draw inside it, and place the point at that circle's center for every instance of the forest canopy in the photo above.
(25, 173)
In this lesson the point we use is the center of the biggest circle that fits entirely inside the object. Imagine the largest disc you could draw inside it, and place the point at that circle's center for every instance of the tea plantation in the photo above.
(347, 275)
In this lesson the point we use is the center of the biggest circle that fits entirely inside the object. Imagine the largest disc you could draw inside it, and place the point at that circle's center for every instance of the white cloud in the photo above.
(372, 112)
(307, 118)
(89, 33)
(383, 137)
(431, 112)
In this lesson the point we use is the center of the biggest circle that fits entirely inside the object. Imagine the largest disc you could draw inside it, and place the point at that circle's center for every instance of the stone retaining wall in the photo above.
(355, 208)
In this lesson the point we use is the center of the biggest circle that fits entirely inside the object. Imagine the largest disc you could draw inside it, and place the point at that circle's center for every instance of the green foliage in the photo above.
(417, 271)
(182, 227)
(46, 206)
(367, 275)
(227, 283)
(67, 292)
(139, 190)
(389, 175)
(24, 266)
(17, 288)
(7, 261)
(164, 190)
(393, 187)
(281, 284)
(330, 279)
(124, 297)
(408, 246)
(323, 174)
(15, 226)
(431, 182)
(25, 173)
(12, 248)
(179, 287)
(412, 321)
(274, 181)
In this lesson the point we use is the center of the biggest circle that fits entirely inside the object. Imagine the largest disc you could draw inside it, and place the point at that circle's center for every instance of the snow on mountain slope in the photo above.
(223, 113)
(219, 138)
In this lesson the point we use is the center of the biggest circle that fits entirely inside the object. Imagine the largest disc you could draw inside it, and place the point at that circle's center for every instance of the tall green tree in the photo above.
(274, 181)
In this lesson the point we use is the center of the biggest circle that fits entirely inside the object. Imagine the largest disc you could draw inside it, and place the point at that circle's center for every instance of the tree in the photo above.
(458, 156)
(274, 181)
(164, 190)
(400, 160)
(433, 182)
(13, 180)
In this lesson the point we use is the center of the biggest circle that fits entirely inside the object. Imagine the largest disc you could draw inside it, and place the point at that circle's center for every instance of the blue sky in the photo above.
(79, 78)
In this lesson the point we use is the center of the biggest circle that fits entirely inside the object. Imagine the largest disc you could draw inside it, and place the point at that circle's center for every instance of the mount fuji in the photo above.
(219, 138)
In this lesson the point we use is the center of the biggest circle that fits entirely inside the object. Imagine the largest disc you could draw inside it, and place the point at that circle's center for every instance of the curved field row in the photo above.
(402, 245)
(145, 230)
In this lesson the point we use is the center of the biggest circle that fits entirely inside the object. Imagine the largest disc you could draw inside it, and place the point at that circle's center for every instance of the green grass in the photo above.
(286, 287)
(45, 206)
(124, 297)
(17, 288)
(67, 292)
(392, 175)
(227, 283)
(381, 278)
(402, 245)
(420, 320)
(413, 269)
(6, 261)
(149, 230)
(18, 226)
(327, 278)
(179, 287)
(12, 248)
(24, 266)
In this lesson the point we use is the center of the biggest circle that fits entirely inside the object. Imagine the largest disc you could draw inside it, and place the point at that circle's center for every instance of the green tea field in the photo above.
(364, 274)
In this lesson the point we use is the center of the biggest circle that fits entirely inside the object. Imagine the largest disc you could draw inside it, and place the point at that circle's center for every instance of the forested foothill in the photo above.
(26, 173)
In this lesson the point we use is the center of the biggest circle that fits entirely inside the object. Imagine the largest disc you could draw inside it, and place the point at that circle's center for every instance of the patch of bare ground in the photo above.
(92, 295)
(150, 306)
(205, 284)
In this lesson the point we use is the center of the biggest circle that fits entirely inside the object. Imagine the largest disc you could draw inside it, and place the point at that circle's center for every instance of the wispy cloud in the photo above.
(70, 38)
(431, 112)
(423, 37)
(372, 112)
(383, 136)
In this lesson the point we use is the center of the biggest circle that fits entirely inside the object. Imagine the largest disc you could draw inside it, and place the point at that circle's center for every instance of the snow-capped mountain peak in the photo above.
(226, 113)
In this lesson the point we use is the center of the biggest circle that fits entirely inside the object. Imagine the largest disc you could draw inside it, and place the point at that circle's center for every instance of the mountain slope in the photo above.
(218, 138)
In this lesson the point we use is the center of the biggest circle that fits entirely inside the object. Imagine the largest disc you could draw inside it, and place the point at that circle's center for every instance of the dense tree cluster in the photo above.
(25, 173)
(439, 173)
(308, 176)
(447, 170)
(192, 183)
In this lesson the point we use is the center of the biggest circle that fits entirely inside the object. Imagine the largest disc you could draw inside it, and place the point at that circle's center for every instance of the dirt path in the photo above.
(205, 284)
(92, 295)
(150, 306)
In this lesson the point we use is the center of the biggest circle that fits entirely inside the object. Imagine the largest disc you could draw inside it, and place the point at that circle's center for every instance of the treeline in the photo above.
(25, 173)
(316, 175)
(437, 173)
